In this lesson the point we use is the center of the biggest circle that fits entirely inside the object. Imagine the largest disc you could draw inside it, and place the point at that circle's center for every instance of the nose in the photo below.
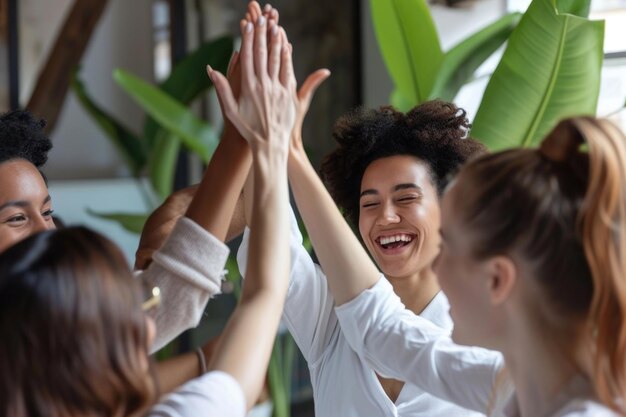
(388, 215)
(40, 223)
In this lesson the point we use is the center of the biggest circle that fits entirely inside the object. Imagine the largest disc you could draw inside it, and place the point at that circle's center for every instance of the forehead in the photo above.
(21, 180)
(387, 172)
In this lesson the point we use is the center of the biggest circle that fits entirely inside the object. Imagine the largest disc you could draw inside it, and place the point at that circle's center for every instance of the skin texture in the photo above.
(465, 280)
(398, 197)
(25, 205)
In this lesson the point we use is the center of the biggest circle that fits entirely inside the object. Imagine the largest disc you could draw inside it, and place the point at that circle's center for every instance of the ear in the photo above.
(503, 276)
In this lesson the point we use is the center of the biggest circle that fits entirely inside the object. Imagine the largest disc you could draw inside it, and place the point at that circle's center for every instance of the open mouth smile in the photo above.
(394, 243)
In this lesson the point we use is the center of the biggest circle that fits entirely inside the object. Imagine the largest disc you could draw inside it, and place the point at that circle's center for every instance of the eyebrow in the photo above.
(398, 187)
(21, 203)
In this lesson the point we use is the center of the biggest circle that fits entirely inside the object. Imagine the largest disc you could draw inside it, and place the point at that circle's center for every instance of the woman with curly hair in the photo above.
(387, 174)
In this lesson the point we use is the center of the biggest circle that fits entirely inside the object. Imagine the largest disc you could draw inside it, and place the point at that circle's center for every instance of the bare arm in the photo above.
(264, 115)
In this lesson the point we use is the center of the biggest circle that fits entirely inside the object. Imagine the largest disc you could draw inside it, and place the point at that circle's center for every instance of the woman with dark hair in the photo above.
(532, 261)
(77, 340)
(387, 174)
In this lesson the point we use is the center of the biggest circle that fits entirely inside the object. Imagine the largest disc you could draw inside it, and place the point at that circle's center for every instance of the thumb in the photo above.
(225, 96)
(310, 85)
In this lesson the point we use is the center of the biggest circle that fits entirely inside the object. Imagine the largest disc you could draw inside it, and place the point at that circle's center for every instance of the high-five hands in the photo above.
(265, 112)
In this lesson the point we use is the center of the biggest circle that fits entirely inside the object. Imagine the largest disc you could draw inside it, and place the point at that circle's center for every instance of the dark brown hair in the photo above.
(434, 132)
(563, 209)
(75, 341)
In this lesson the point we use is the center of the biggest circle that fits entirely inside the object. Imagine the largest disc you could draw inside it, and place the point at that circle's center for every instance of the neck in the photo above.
(416, 291)
(540, 371)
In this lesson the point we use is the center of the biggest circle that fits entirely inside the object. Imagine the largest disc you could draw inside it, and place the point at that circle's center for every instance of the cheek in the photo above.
(9, 237)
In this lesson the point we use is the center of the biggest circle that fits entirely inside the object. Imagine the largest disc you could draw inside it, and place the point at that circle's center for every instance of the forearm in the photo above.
(261, 304)
(348, 268)
(217, 195)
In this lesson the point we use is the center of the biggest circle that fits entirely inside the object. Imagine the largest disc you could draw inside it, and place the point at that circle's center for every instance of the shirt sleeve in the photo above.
(213, 394)
(309, 308)
(399, 344)
(188, 269)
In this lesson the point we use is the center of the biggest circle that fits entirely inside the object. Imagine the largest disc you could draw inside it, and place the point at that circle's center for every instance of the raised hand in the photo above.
(265, 111)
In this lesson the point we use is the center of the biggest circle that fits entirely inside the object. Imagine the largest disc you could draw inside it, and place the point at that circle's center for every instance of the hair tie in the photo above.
(562, 142)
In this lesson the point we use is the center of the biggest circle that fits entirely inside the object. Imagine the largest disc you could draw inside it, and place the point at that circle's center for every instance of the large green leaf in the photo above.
(409, 44)
(550, 70)
(576, 7)
(128, 144)
(195, 134)
(130, 221)
(188, 78)
(162, 163)
(460, 62)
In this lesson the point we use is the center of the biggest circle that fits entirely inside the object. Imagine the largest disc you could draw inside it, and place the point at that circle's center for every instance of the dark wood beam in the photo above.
(55, 76)
(11, 8)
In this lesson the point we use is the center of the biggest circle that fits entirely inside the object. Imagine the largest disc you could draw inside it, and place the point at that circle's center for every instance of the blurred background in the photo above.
(57, 58)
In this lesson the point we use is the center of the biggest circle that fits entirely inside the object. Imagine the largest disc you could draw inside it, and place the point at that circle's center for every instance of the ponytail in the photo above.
(563, 208)
(602, 223)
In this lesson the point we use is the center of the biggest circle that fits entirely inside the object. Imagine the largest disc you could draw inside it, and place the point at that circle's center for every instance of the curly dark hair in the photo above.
(22, 136)
(435, 132)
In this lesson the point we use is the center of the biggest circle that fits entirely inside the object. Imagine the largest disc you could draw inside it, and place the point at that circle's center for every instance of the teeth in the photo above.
(395, 238)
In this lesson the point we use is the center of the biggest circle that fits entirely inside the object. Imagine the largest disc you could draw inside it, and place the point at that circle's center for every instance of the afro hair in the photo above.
(435, 132)
(23, 137)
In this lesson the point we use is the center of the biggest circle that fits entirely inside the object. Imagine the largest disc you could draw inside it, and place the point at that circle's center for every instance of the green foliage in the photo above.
(129, 145)
(550, 70)
(410, 47)
(461, 62)
(411, 51)
(131, 222)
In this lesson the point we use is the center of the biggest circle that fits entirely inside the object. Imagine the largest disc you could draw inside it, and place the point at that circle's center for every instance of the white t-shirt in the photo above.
(401, 345)
(215, 394)
(344, 385)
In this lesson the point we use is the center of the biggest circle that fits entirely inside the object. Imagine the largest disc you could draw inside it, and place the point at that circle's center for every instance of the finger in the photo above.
(275, 51)
(260, 47)
(310, 85)
(248, 17)
(275, 15)
(227, 101)
(232, 64)
(246, 59)
(287, 77)
(255, 11)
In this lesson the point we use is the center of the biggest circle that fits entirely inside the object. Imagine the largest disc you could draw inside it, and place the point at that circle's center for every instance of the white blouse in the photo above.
(402, 345)
(344, 385)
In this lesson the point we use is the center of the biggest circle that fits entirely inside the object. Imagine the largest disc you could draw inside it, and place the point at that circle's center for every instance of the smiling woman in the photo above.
(387, 174)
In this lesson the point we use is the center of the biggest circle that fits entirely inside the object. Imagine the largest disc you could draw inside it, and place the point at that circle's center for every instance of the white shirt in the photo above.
(215, 394)
(401, 345)
(344, 385)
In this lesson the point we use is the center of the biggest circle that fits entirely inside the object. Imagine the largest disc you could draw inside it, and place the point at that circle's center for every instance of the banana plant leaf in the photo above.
(550, 70)
(129, 145)
(188, 79)
(195, 134)
(576, 7)
(409, 44)
(460, 62)
(129, 221)
(162, 163)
